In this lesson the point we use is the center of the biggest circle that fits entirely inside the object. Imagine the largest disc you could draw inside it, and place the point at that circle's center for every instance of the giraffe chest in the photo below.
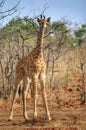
(36, 65)
(30, 65)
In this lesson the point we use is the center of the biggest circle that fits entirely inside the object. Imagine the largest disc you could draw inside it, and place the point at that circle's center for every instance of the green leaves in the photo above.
(58, 30)
(81, 34)
(58, 26)
(21, 25)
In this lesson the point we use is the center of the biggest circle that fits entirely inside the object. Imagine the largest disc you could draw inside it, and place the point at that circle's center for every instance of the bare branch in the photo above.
(9, 12)
(45, 8)
(2, 3)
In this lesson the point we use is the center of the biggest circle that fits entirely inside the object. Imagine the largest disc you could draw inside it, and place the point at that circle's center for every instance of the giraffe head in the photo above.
(43, 21)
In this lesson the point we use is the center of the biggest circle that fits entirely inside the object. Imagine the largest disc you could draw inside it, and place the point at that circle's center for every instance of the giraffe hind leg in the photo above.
(24, 95)
(34, 83)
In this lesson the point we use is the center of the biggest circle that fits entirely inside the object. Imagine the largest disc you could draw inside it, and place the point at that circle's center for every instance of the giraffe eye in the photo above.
(39, 23)
(38, 20)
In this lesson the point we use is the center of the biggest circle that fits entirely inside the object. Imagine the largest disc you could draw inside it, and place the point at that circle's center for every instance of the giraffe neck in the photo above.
(39, 46)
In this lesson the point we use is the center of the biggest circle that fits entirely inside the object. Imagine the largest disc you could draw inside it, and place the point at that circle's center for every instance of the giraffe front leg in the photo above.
(34, 83)
(44, 95)
(24, 95)
(14, 98)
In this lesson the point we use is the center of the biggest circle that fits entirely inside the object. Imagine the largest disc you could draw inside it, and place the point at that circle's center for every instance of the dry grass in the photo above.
(64, 117)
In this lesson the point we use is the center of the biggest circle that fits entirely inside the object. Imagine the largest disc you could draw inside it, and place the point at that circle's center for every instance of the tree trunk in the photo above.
(3, 84)
(52, 76)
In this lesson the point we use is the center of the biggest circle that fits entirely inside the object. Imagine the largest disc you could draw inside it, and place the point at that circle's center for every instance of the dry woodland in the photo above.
(64, 51)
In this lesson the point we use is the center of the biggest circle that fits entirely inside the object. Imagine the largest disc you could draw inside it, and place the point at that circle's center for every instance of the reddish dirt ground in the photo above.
(63, 117)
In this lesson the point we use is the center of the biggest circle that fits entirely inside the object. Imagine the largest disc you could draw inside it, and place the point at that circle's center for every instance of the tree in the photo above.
(59, 34)
(80, 34)
(81, 56)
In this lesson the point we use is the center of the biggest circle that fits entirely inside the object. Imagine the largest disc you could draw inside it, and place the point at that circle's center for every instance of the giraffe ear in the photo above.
(38, 20)
(48, 19)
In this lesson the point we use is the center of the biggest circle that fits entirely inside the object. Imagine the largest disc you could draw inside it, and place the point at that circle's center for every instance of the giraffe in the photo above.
(31, 69)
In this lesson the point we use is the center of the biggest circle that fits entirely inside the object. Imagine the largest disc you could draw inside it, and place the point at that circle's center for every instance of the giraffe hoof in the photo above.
(10, 120)
(35, 119)
(49, 118)
(26, 121)
(26, 118)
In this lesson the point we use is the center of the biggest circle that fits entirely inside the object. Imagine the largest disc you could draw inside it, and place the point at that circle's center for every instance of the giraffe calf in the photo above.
(29, 69)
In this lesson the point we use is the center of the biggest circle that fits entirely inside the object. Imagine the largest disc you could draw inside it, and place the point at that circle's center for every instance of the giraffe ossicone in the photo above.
(29, 69)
